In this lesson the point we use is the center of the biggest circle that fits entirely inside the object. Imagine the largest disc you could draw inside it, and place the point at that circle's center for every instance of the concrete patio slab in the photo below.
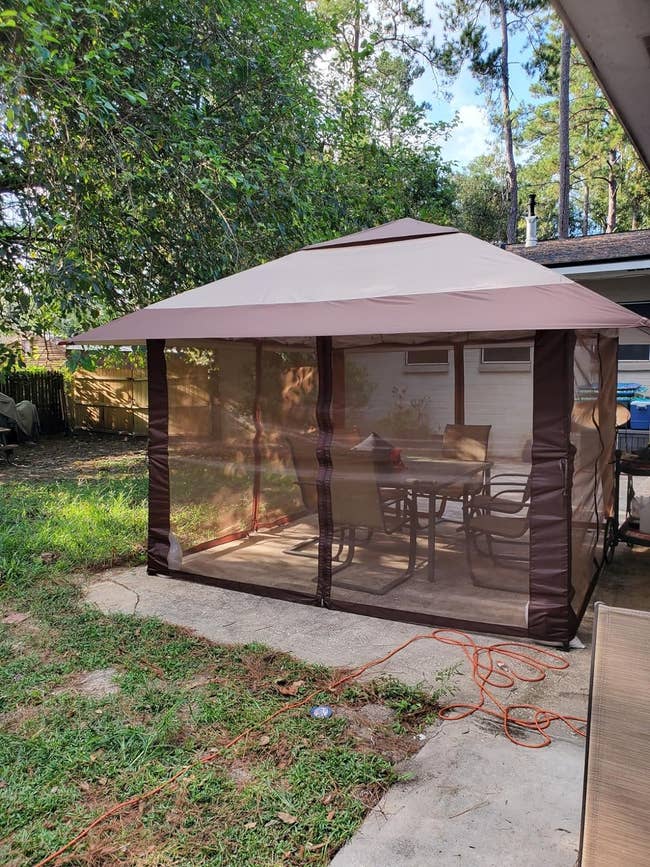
(472, 798)
(475, 800)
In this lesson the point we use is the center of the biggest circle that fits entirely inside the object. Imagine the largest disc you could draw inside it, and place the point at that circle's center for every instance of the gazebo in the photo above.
(406, 422)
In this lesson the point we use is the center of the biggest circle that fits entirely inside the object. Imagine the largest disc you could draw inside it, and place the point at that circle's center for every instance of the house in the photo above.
(616, 266)
(38, 351)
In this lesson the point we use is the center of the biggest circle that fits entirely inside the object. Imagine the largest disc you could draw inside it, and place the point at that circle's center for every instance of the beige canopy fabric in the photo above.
(402, 277)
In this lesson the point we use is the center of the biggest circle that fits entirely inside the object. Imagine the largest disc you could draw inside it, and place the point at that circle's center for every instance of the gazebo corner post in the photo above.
(324, 355)
(550, 614)
(158, 455)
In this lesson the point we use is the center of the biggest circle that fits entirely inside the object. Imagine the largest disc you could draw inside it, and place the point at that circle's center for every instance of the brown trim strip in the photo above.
(459, 383)
(352, 607)
(426, 619)
(324, 357)
(257, 451)
(369, 241)
(245, 587)
(550, 616)
(518, 308)
(159, 503)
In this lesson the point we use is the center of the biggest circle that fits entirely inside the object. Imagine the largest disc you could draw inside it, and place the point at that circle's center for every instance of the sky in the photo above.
(472, 136)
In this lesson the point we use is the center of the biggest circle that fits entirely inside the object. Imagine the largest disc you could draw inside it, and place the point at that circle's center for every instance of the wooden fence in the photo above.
(110, 399)
(45, 389)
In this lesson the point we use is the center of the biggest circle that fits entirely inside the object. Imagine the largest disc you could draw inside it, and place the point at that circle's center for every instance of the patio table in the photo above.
(431, 477)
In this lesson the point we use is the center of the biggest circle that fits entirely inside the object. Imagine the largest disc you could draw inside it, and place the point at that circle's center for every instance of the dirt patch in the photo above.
(80, 456)
(94, 684)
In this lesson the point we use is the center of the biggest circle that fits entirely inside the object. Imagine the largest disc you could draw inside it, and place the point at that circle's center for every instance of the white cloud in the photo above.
(472, 136)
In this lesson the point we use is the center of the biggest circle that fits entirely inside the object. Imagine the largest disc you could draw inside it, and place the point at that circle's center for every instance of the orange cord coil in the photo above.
(492, 667)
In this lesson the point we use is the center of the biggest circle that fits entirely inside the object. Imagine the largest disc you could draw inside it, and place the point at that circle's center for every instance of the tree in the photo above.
(481, 205)
(608, 186)
(466, 40)
(563, 222)
(144, 145)
(147, 147)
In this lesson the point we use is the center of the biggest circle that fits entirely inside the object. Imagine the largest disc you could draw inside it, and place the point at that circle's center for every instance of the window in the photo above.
(634, 352)
(427, 356)
(433, 360)
(505, 355)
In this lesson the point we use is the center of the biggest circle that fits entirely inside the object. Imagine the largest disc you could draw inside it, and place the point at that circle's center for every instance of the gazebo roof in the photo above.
(403, 277)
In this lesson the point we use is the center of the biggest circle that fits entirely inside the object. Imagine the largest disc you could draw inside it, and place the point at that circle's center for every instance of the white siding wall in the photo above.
(500, 397)
(387, 370)
(626, 290)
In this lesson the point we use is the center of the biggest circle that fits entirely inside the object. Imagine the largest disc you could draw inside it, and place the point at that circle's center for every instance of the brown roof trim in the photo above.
(406, 229)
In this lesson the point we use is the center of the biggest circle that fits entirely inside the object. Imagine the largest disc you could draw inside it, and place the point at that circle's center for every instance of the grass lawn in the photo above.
(289, 795)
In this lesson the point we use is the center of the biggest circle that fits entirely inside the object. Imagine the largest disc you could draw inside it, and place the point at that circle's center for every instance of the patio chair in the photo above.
(305, 465)
(464, 442)
(616, 808)
(498, 515)
(367, 495)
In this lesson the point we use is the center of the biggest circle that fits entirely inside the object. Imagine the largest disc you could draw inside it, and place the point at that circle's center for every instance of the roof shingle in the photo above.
(588, 249)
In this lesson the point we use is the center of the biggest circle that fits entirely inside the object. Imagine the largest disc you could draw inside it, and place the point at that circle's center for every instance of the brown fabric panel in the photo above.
(323, 483)
(338, 384)
(397, 230)
(518, 308)
(257, 451)
(244, 587)
(549, 615)
(459, 383)
(616, 812)
(159, 505)
(426, 619)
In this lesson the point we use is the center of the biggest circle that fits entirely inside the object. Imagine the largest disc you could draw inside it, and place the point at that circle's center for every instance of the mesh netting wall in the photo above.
(592, 436)
(236, 410)
(430, 480)
(421, 474)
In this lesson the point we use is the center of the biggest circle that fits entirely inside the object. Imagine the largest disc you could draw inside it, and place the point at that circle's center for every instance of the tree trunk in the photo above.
(563, 224)
(511, 167)
(585, 211)
(612, 191)
(356, 40)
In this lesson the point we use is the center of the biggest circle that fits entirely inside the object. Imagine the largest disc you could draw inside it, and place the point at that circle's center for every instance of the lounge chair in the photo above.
(616, 806)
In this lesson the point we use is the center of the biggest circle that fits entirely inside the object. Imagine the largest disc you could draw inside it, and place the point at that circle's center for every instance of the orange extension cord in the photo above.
(489, 671)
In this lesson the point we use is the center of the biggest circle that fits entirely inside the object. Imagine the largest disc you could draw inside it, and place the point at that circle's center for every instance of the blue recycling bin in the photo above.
(640, 414)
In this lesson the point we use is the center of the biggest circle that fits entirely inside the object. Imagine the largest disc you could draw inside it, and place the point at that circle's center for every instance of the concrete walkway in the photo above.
(471, 797)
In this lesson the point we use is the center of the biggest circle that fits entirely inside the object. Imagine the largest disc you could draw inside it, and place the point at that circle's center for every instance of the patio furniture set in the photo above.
(375, 490)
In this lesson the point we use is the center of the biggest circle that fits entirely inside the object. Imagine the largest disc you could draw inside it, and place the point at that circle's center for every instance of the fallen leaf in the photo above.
(250, 825)
(15, 617)
(329, 797)
(3, 784)
(331, 815)
(49, 557)
(287, 818)
(264, 740)
(84, 786)
(291, 689)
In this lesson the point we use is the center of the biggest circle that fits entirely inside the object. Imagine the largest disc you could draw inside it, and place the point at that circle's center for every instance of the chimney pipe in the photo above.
(531, 223)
